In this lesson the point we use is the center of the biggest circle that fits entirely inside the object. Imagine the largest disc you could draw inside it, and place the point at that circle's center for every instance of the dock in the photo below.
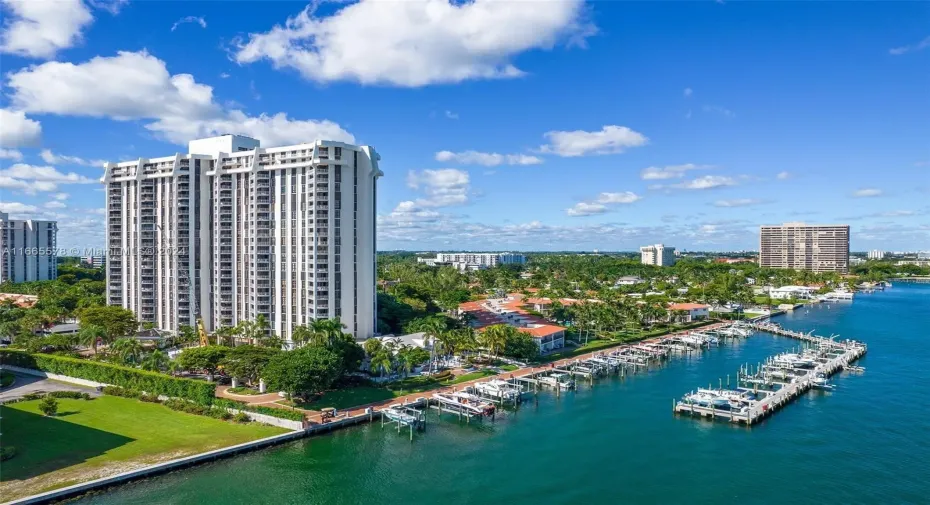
(764, 389)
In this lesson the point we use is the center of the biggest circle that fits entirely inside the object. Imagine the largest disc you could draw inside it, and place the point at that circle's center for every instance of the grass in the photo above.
(509, 368)
(6, 378)
(90, 439)
(243, 391)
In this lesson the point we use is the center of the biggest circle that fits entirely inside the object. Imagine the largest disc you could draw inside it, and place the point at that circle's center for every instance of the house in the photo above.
(21, 301)
(509, 310)
(690, 311)
(792, 292)
(628, 280)
(409, 340)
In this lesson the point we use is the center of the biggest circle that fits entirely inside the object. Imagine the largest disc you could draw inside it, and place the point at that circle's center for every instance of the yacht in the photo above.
(468, 402)
(497, 388)
(558, 380)
(706, 398)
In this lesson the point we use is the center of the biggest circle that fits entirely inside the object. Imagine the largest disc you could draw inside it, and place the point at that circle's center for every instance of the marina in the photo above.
(631, 411)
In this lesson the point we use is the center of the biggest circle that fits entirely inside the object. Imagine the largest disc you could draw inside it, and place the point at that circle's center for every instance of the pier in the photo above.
(762, 390)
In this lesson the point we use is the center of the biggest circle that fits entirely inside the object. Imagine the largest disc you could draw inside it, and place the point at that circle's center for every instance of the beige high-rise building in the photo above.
(818, 248)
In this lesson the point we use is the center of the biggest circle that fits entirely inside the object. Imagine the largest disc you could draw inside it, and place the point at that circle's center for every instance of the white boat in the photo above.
(692, 340)
(466, 402)
(792, 361)
(705, 398)
(497, 388)
(820, 382)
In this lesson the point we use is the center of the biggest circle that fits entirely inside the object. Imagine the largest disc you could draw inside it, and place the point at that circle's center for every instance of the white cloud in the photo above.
(716, 109)
(451, 115)
(60, 196)
(586, 209)
(17, 208)
(867, 192)
(133, 86)
(610, 139)
(669, 171)
(16, 130)
(414, 44)
(688, 92)
(706, 182)
(487, 159)
(622, 197)
(59, 159)
(39, 28)
(601, 204)
(737, 202)
(923, 44)
(783, 175)
(31, 179)
(224, 75)
(898, 213)
(55, 204)
(189, 19)
(10, 154)
(443, 187)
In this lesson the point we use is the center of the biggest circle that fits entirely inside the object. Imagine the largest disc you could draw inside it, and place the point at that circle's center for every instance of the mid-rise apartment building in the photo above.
(232, 231)
(94, 261)
(658, 255)
(818, 248)
(474, 261)
(876, 254)
(28, 250)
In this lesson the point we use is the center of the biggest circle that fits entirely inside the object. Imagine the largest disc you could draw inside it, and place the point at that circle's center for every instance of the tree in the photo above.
(128, 350)
(157, 361)
(91, 335)
(48, 406)
(350, 353)
(494, 337)
(303, 371)
(372, 346)
(116, 321)
(383, 360)
(410, 357)
(247, 362)
(521, 346)
(207, 358)
(187, 335)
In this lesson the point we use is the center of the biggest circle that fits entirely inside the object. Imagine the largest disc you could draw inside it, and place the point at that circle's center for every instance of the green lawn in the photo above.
(89, 439)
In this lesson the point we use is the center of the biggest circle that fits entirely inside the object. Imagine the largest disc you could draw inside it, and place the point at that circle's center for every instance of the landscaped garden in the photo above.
(90, 439)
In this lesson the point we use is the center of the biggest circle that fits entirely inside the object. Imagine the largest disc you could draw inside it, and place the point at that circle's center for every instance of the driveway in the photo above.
(26, 384)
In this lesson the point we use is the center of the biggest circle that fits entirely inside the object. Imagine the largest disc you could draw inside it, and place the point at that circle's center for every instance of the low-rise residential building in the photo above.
(792, 292)
(689, 311)
(510, 310)
(94, 261)
(21, 301)
(628, 280)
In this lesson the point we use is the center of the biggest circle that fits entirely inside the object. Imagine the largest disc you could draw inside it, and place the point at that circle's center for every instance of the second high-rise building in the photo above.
(232, 231)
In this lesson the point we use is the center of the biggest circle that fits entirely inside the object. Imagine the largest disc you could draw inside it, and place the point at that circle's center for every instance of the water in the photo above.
(618, 442)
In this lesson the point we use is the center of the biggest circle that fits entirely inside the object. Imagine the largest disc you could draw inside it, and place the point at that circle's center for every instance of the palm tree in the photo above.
(155, 362)
(91, 335)
(494, 337)
(371, 346)
(129, 350)
(301, 334)
(383, 360)
(325, 331)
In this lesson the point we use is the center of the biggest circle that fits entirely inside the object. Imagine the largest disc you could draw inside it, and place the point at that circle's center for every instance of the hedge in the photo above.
(130, 378)
(290, 415)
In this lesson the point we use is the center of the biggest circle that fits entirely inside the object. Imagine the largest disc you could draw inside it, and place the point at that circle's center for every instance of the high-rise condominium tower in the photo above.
(658, 255)
(28, 250)
(819, 248)
(232, 231)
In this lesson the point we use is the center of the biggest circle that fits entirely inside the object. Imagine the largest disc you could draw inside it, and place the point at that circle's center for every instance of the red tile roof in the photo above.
(484, 316)
(687, 306)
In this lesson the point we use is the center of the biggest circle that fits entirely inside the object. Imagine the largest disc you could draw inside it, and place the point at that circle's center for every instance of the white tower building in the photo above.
(28, 250)
(232, 231)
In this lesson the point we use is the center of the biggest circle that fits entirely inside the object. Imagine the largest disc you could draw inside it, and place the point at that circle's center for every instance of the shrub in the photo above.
(241, 417)
(150, 398)
(124, 377)
(32, 396)
(123, 392)
(76, 395)
(48, 406)
(7, 452)
(291, 415)
(441, 376)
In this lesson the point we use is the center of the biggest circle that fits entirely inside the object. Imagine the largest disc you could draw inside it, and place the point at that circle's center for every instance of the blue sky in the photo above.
(550, 125)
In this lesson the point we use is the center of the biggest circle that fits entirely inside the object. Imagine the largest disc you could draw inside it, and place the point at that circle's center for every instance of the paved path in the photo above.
(26, 384)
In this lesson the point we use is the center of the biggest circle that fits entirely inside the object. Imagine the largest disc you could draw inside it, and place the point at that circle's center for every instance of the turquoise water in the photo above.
(618, 442)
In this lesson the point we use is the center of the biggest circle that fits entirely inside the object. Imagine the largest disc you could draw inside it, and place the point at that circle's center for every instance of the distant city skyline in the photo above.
(573, 125)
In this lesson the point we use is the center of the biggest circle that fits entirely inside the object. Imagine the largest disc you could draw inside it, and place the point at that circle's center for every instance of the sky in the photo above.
(502, 125)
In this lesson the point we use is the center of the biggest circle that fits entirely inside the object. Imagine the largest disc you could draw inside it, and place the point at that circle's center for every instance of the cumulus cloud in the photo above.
(783, 176)
(17, 209)
(31, 179)
(611, 139)
(59, 159)
(602, 203)
(451, 115)
(442, 188)
(706, 182)
(669, 171)
(897, 51)
(138, 86)
(189, 19)
(16, 130)
(55, 204)
(39, 29)
(487, 159)
(10, 154)
(414, 44)
(867, 192)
